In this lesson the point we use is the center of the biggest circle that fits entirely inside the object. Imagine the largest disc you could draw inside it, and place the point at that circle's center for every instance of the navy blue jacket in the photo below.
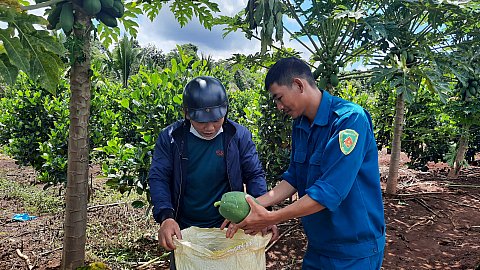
(168, 170)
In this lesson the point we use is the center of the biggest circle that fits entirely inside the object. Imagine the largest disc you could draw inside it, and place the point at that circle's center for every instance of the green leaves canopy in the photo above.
(24, 48)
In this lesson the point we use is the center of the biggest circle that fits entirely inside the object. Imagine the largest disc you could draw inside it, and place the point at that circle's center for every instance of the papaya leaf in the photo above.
(46, 70)
(15, 51)
(9, 72)
(44, 40)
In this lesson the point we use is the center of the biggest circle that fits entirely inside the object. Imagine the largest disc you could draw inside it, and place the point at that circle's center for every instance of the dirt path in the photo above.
(432, 224)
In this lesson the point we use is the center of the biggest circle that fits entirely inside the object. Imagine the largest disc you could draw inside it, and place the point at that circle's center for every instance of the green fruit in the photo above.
(472, 91)
(410, 57)
(317, 72)
(233, 206)
(119, 8)
(116, 11)
(92, 7)
(66, 17)
(322, 84)
(107, 19)
(334, 80)
(107, 3)
(54, 15)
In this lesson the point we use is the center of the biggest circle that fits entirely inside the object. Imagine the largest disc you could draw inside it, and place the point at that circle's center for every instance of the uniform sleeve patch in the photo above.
(348, 139)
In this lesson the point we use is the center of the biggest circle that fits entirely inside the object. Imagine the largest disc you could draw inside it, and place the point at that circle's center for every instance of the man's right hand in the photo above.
(167, 230)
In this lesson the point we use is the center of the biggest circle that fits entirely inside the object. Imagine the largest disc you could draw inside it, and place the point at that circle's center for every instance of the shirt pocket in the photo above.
(315, 166)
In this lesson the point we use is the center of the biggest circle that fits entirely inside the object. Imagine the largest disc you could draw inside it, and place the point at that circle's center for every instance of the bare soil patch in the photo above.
(433, 223)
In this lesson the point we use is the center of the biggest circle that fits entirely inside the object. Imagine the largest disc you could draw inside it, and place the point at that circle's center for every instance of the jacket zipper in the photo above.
(181, 181)
(226, 164)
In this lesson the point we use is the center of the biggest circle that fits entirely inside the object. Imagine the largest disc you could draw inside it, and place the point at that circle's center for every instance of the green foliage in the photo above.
(244, 109)
(137, 115)
(34, 200)
(27, 49)
(429, 131)
(35, 127)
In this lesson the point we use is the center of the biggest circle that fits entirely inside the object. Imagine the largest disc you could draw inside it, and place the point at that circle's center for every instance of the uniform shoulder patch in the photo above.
(348, 139)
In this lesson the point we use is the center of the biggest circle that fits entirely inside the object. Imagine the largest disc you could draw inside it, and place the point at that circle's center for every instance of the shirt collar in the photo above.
(323, 111)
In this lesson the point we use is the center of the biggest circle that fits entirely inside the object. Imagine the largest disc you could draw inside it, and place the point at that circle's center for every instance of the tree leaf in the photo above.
(15, 51)
(45, 69)
(9, 72)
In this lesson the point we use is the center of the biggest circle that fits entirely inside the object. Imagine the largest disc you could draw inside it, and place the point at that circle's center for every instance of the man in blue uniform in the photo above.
(334, 169)
(197, 159)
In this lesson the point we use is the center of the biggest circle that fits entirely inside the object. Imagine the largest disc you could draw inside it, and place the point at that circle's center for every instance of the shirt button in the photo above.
(375, 250)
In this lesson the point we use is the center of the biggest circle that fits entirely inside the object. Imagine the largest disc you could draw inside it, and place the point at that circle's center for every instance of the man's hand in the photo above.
(271, 229)
(167, 230)
(256, 221)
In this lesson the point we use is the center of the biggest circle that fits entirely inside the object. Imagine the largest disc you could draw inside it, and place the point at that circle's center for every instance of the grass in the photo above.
(33, 199)
(117, 234)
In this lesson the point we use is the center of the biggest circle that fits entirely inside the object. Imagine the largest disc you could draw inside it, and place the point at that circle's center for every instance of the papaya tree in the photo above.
(36, 52)
(335, 33)
(395, 40)
(415, 33)
(464, 105)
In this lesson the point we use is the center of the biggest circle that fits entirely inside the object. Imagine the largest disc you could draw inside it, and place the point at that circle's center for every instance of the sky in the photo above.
(165, 32)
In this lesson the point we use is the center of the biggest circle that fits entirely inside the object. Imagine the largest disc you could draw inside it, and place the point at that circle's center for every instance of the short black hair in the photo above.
(284, 70)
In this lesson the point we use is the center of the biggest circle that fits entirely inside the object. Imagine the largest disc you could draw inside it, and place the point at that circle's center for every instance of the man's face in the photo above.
(208, 129)
(287, 99)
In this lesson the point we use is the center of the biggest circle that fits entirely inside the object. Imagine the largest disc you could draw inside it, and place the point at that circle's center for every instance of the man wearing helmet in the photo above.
(199, 158)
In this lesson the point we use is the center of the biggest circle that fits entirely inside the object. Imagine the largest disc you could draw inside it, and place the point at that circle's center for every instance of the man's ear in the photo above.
(185, 113)
(297, 82)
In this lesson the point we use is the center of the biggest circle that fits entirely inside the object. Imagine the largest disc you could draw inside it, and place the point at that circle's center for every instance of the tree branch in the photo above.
(41, 5)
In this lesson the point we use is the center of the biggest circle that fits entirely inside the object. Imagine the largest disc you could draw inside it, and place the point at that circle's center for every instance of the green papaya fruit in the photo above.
(66, 17)
(410, 57)
(119, 8)
(107, 19)
(116, 11)
(472, 90)
(107, 3)
(322, 84)
(54, 15)
(334, 80)
(318, 71)
(233, 206)
(92, 7)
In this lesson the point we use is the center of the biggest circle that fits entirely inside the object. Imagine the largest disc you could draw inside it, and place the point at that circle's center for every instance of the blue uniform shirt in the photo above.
(346, 183)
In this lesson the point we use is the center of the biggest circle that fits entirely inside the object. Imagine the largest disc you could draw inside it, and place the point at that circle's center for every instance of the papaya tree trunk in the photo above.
(460, 156)
(78, 150)
(392, 180)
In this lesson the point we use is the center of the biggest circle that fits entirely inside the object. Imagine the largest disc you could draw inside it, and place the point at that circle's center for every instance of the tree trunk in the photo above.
(78, 150)
(460, 156)
(396, 146)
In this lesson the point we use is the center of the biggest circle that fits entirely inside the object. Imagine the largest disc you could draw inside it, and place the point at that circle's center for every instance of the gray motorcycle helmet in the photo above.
(205, 99)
